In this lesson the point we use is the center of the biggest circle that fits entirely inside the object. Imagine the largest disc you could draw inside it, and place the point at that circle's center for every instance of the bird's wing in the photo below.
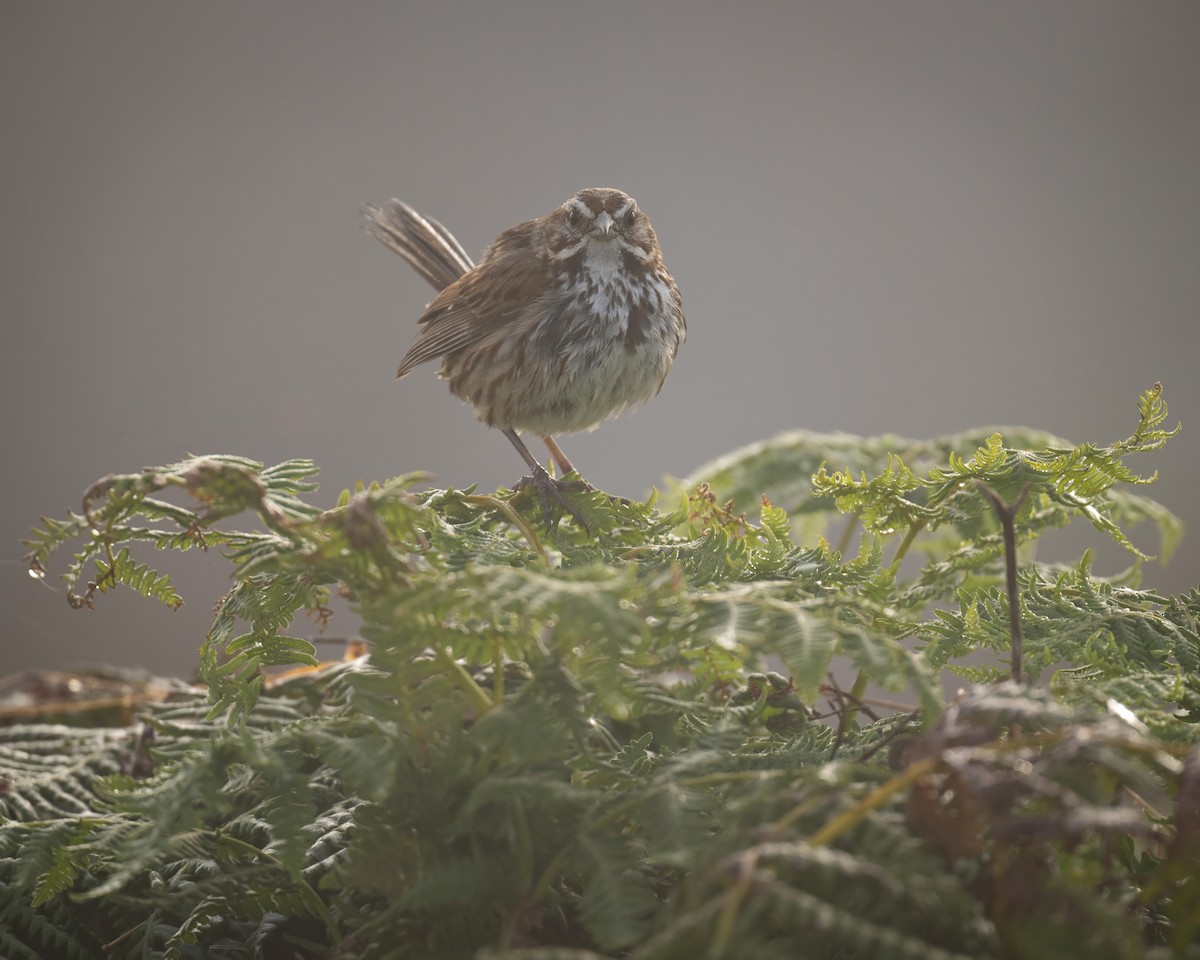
(511, 278)
(447, 325)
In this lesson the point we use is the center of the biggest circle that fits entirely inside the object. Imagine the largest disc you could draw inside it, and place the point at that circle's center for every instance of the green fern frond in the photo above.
(52, 535)
(878, 501)
(137, 576)
(618, 899)
(1152, 414)
(51, 844)
(49, 770)
(37, 932)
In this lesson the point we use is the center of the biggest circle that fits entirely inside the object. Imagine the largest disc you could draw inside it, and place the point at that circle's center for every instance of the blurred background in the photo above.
(910, 217)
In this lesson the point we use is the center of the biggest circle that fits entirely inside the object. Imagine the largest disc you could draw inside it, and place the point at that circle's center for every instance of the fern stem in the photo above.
(546, 878)
(464, 679)
(857, 691)
(112, 944)
(1007, 513)
(872, 801)
(311, 898)
(524, 854)
(913, 529)
(516, 519)
(524, 847)
(847, 535)
(861, 680)
(614, 813)
(733, 901)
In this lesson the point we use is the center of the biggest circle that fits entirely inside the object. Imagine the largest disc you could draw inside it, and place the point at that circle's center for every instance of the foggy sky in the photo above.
(912, 217)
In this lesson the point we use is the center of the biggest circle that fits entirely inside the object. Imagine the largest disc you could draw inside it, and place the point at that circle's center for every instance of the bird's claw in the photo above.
(549, 488)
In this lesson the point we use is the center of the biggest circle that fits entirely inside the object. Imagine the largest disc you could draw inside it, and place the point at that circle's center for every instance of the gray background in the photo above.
(892, 216)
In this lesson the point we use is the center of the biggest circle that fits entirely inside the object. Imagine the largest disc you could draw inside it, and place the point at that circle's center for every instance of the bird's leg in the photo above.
(565, 465)
(557, 455)
(560, 458)
(547, 487)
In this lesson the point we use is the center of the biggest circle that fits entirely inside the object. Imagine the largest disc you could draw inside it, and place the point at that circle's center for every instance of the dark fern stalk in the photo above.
(1007, 513)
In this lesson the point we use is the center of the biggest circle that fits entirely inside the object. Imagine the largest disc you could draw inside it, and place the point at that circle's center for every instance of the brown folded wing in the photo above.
(512, 277)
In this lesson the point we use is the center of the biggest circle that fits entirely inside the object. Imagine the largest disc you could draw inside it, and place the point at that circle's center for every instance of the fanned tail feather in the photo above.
(427, 246)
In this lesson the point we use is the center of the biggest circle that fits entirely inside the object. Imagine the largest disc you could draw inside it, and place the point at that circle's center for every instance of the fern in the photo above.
(137, 576)
(35, 931)
(630, 742)
(49, 770)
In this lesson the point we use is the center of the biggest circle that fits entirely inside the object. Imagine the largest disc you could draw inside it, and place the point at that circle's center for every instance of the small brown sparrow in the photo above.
(567, 320)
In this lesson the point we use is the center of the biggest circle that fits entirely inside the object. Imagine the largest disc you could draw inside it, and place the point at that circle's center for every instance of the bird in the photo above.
(567, 320)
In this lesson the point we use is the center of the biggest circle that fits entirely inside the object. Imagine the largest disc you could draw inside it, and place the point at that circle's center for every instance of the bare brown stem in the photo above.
(1007, 512)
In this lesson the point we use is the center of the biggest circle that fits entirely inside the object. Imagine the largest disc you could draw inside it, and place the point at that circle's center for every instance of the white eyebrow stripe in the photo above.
(624, 210)
(583, 208)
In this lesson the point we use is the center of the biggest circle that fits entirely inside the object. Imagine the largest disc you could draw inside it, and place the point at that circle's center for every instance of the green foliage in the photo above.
(601, 745)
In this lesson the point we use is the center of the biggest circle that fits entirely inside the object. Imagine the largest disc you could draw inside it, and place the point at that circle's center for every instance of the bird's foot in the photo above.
(549, 488)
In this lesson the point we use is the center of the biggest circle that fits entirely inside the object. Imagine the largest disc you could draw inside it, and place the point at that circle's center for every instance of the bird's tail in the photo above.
(429, 248)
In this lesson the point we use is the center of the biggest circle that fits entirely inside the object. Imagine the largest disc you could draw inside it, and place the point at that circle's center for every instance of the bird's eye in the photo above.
(631, 217)
(573, 217)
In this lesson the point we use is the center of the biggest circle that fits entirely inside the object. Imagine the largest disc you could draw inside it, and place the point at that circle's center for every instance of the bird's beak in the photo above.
(603, 223)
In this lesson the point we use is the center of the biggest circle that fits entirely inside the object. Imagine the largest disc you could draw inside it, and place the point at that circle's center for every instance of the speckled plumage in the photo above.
(565, 322)
(560, 326)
